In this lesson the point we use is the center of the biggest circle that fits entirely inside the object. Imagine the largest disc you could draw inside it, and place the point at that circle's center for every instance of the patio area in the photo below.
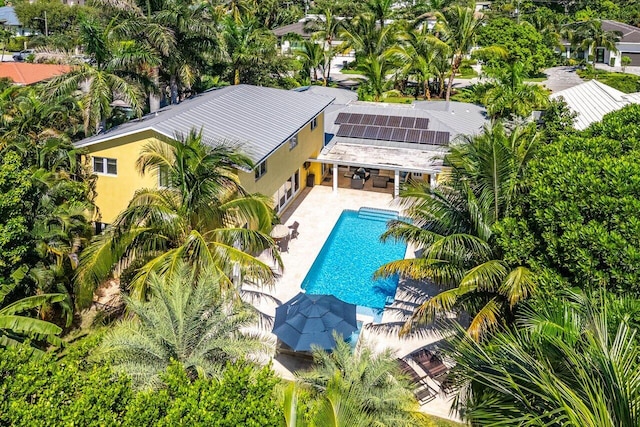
(316, 210)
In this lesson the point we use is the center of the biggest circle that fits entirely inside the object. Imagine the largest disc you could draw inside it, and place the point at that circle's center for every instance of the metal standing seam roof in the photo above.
(258, 119)
(8, 17)
(592, 100)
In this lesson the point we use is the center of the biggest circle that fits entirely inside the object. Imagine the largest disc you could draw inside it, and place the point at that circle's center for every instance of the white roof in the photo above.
(592, 100)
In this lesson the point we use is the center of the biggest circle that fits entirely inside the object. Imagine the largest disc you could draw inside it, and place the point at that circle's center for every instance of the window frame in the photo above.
(314, 123)
(104, 161)
(163, 172)
(293, 142)
(260, 170)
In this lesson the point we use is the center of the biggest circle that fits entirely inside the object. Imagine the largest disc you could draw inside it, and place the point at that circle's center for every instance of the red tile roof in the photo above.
(26, 73)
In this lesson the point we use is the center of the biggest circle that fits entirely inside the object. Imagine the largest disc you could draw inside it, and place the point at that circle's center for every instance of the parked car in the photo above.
(22, 55)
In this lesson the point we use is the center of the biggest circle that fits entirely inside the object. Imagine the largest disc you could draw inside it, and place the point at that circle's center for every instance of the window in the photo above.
(261, 169)
(293, 142)
(105, 166)
(163, 176)
(314, 123)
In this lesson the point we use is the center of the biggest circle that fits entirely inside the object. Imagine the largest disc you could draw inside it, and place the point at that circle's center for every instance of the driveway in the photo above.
(629, 70)
(560, 78)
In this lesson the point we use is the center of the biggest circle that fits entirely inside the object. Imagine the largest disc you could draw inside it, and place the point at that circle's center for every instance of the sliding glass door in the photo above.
(287, 191)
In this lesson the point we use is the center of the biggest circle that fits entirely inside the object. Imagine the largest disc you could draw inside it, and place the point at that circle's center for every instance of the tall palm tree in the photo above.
(375, 68)
(568, 362)
(458, 27)
(202, 216)
(453, 224)
(382, 10)
(187, 320)
(324, 28)
(15, 329)
(312, 57)
(358, 387)
(418, 54)
(246, 44)
(109, 79)
(508, 96)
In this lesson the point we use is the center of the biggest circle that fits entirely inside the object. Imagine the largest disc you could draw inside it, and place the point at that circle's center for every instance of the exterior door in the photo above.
(287, 191)
(600, 55)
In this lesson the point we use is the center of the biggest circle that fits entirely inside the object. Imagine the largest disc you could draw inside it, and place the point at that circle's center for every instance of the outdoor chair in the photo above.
(294, 229)
(283, 244)
(357, 183)
(431, 364)
(421, 388)
(380, 181)
(362, 173)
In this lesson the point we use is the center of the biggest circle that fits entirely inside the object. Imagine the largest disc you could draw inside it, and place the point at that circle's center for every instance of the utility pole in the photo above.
(46, 25)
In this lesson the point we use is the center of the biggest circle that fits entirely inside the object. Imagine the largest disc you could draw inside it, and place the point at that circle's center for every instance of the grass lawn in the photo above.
(535, 79)
(627, 83)
(399, 99)
(343, 71)
(431, 421)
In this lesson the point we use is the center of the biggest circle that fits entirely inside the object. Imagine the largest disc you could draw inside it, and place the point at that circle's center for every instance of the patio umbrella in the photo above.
(311, 319)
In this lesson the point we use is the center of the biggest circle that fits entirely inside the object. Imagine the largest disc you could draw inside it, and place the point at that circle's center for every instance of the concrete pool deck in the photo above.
(316, 210)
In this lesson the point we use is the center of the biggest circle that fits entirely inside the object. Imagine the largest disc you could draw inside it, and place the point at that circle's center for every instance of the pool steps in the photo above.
(377, 214)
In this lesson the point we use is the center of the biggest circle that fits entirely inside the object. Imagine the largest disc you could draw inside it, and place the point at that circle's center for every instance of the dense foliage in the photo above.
(580, 214)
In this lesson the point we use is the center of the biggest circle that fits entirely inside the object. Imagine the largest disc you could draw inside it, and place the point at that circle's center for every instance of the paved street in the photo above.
(560, 78)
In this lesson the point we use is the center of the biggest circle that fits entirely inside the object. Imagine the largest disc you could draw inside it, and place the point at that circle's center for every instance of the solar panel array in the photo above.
(389, 128)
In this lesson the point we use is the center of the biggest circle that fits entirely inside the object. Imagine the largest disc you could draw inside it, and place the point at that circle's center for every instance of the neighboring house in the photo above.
(628, 45)
(279, 130)
(592, 100)
(401, 140)
(9, 20)
(24, 73)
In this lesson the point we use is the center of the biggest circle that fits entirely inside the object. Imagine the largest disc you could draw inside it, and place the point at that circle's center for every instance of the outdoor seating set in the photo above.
(283, 242)
(434, 368)
(361, 175)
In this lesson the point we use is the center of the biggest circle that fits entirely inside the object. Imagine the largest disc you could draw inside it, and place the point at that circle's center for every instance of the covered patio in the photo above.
(396, 164)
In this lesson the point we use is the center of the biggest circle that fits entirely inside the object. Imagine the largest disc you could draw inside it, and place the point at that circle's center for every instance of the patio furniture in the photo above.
(363, 173)
(283, 244)
(431, 364)
(279, 231)
(357, 183)
(380, 181)
(294, 229)
(421, 388)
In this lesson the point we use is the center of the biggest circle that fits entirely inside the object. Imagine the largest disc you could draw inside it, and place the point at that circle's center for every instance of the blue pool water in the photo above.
(352, 253)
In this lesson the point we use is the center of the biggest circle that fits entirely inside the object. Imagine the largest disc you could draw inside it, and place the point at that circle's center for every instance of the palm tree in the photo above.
(202, 216)
(458, 27)
(418, 55)
(508, 96)
(187, 320)
(312, 57)
(110, 79)
(453, 224)
(357, 388)
(568, 362)
(246, 45)
(375, 68)
(5, 38)
(15, 329)
(324, 28)
(381, 9)
(590, 35)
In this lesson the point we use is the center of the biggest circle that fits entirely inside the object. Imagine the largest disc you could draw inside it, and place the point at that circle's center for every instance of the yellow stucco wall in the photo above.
(283, 162)
(115, 191)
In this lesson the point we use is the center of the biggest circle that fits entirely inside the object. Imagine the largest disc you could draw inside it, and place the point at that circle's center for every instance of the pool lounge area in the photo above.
(318, 209)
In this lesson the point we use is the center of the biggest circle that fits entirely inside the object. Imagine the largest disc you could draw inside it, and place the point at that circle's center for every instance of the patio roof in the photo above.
(425, 160)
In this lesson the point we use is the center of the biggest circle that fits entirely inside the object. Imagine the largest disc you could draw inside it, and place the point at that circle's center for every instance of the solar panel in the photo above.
(427, 137)
(345, 130)
(380, 120)
(367, 119)
(385, 133)
(371, 132)
(413, 135)
(442, 138)
(408, 122)
(355, 118)
(399, 134)
(358, 131)
(343, 118)
(394, 121)
(421, 123)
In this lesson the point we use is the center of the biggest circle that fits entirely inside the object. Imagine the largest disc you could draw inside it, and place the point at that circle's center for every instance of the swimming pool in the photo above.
(352, 253)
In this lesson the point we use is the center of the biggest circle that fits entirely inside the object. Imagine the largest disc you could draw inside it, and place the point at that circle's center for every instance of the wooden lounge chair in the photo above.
(294, 229)
(431, 364)
(421, 388)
